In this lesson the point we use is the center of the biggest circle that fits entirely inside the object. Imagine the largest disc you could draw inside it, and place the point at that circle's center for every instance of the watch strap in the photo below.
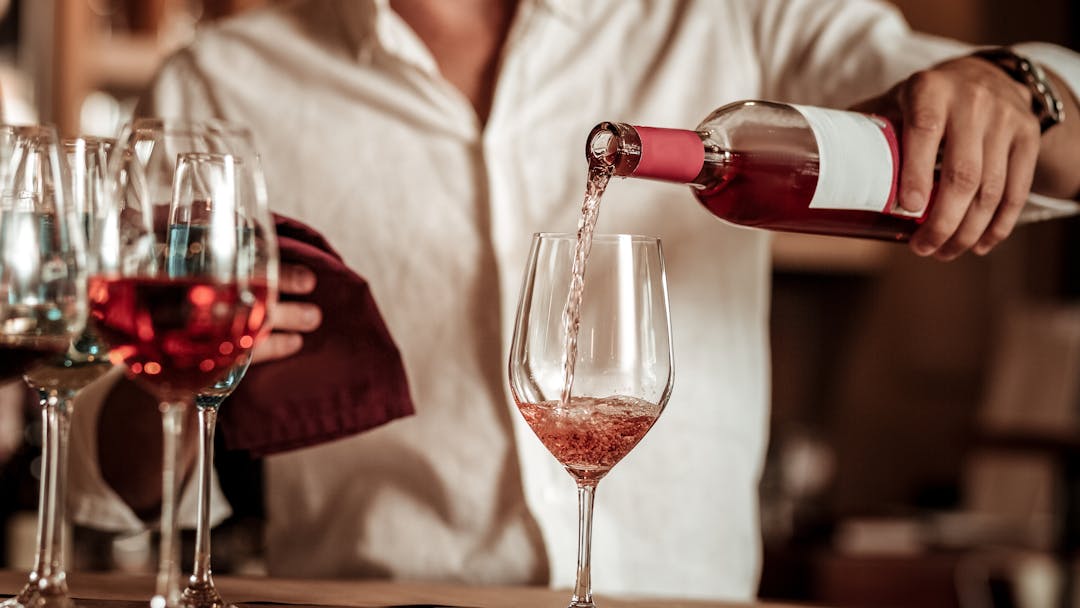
(1045, 102)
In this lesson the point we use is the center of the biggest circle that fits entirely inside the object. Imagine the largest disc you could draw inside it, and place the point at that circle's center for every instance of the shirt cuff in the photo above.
(91, 501)
(1062, 61)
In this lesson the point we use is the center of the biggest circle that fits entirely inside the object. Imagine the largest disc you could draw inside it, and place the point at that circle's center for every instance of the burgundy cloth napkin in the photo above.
(347, 378)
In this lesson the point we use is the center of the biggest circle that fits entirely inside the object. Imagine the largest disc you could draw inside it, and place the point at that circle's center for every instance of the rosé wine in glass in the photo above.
(590, 362)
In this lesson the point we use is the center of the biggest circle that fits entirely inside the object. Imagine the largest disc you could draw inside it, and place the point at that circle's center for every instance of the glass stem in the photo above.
(41, 557)
(60, 419)
(200, 575)
(168, 586)
(583, 587)
(48, 576)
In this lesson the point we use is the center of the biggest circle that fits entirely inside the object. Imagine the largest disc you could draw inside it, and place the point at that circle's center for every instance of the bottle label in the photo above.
(858, 161)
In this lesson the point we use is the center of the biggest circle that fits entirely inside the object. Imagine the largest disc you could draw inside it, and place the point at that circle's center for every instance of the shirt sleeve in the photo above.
(835, 53)
(91, 501)
(1062, 61)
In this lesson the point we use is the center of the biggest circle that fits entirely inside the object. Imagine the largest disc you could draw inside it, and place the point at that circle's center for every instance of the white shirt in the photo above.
(363, 139)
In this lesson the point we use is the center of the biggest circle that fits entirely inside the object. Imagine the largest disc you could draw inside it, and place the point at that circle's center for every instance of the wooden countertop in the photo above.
(105, 590)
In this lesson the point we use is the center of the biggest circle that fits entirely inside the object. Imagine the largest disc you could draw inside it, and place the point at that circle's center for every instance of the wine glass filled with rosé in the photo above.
(590, 362)
(185, 280)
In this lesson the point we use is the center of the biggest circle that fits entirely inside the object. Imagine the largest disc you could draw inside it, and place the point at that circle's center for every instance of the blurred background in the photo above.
(926, 417)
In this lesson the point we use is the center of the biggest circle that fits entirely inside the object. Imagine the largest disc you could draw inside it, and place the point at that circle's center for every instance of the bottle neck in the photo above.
(673, 155)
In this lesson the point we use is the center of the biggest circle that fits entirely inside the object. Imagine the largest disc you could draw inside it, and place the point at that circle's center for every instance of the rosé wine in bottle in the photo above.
(781, 167)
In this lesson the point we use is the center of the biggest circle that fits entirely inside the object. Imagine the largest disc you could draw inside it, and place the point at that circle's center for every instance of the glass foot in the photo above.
(32, 597)
(19, 599)
(202, 595)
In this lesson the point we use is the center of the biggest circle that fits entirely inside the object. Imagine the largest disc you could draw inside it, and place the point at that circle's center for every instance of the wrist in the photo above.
(1059, 155)
(1046, 102)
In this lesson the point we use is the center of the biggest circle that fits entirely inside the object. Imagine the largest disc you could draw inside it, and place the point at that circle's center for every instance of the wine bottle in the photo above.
(782, 167)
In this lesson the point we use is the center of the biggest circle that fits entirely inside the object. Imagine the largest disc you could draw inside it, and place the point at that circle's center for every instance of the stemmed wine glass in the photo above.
(42, 308)
(185, 281)
(622, 375)
(201, 591)
(58, 379)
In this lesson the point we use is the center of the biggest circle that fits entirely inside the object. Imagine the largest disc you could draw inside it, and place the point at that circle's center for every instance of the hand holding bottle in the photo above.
(945, 160)
(980, 122)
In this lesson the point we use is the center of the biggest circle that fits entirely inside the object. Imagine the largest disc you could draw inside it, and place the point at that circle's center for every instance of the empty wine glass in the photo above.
(622, 377)
(42, 308)
(186, 276)
(86, 359)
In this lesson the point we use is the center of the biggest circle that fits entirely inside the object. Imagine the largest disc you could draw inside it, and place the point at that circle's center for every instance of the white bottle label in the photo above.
(857, 157)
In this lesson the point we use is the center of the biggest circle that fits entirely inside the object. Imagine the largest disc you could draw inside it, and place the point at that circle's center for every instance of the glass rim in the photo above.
(179, 124)
(32, 130)
(208, 157)
(23, 126)
(89, 140)
(599, 237)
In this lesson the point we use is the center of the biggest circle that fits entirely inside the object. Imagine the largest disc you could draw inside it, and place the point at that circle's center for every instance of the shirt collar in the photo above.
(365, 21)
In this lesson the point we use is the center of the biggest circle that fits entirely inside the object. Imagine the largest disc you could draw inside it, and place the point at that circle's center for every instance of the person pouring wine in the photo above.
(427, 139)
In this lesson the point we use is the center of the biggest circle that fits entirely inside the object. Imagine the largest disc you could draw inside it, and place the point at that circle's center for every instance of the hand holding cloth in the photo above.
(347, 378)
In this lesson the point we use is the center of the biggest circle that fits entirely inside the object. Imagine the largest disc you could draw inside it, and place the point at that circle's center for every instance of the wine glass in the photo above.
(42, 308)
(59, 378)
(622, 376)
(201, 591)
(186, 277)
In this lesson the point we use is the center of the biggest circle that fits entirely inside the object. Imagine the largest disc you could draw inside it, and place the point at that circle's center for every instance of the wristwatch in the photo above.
(1045, 102)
